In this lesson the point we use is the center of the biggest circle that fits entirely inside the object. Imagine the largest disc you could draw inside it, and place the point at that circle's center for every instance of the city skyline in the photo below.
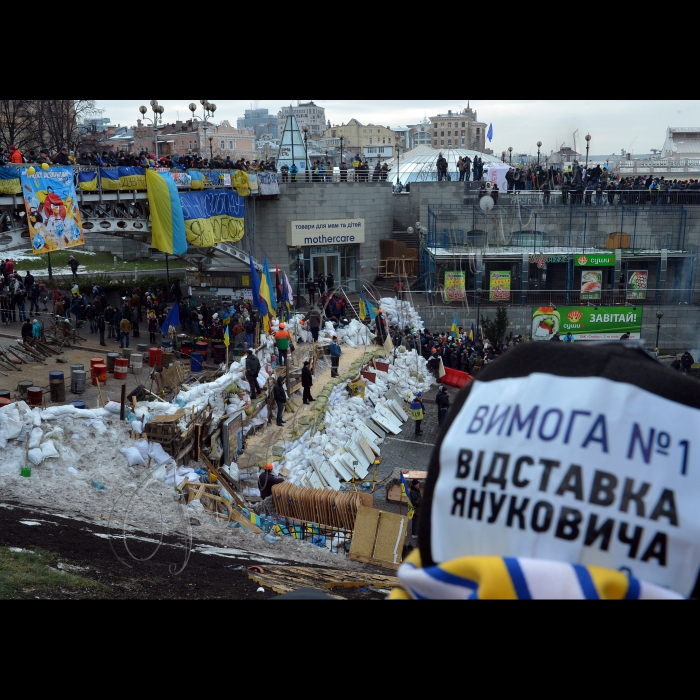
(637, 126)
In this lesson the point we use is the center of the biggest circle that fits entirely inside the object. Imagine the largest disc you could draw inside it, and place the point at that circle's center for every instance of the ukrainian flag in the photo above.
(362, 307)
(132, 178)
(471, 333)
(258, 302)
(9, 181)
(372, 310)
(266, 289)
(87, 179)
(455, 327)
(406, 494)
(196, 180)
(168, 222)
(227, 341)
(240, 183)
(110, 178)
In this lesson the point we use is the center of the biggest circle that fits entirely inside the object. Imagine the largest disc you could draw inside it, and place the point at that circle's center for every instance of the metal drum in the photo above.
(57, 387)
(111, 359)
(155, 357)
(167, 359)
(121, 368)
(99, 374)
(77, 382)
(5, 393)
(218, 353)
(78, 404)
(143, 349)
(126, 352)
(202, 347)
(96, 361)
(137, 362)
(35, 396)
(22, 389)
(196, 362)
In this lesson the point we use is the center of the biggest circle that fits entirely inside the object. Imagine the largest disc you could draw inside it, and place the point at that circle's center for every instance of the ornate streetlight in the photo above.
(539, 145)
(156, 121)
(588, 144)
(659, 316)
(208, 109)
(510, 153)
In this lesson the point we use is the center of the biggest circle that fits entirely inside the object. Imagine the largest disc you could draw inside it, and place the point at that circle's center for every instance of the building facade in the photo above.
(261, 121)
(191, 138)
(422, 134)
(307, 114)
(458, 130)
(371, 141)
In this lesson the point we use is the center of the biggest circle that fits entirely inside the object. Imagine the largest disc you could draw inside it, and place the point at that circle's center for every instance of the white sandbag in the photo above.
(36, 456)
(100, 427)
(35, 438)
(48, 449)
(142, 445)
(36, 417)
(157, 453)
(11, 427)
(137, 426)
(133, 455)
(113, 407)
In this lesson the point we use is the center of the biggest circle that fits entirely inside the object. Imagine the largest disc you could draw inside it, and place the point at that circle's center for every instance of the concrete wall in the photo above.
(371, 201)
(123, 248)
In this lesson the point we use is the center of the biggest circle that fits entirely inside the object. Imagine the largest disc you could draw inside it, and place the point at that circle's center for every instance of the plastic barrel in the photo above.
(137, 362)
(4, 401)
(35, 396)
(77, 384)
(121, 368)
(202, 347)
(143, 349)
(78, 404)
(155, 357)
(166, 344)
(55, 376)
(126, 352)
(111, 359)
(22, 389)
(196, 362)
(95, 361)
(5, 393)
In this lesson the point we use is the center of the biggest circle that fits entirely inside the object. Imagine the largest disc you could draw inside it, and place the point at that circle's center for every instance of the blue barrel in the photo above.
(78, 404)
(196, 362)
(166, 344)
(55, 376)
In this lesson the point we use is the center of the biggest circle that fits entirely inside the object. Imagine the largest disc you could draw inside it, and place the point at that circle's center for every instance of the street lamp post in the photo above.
(211, 149)
(398, 165)
(659, 316)
(588, 144)
(208, 109)
(342, 138)
(539, 145)
(157, 119)
(305, 129)
(510, 154)
(300, 262)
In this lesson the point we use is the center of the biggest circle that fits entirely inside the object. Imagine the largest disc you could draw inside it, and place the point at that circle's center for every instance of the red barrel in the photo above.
(35, 396)
(5, 402)
(96, 361)
(121, 368)
(99, 374)
(202, 347)
(155, 357)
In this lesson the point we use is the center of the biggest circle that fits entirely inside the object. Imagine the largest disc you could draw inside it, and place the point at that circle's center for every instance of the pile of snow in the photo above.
(400, 313)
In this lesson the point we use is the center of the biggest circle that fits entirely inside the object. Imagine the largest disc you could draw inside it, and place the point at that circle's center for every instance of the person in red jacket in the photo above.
(16, 155)
(9, 268)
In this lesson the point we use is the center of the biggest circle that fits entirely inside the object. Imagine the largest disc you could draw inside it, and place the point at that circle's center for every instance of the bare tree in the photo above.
(17, 125)
(62, 121)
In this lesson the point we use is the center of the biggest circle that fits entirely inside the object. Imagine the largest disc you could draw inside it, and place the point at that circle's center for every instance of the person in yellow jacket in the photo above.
(283, 341)
(417, 411)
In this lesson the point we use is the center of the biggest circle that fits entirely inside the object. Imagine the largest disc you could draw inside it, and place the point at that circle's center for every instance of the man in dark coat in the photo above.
(307, 382)
(252, 369)
(687, 362)
(443, 403)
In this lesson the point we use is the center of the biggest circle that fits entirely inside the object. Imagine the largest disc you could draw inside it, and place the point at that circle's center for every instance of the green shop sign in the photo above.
(586, 322)
(595, 260)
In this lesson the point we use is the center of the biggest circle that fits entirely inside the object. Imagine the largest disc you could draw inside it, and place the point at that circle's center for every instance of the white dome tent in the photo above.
(419, 164)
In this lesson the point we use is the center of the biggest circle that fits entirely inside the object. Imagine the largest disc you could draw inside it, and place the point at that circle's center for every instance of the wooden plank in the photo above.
(174, 418)
(242, 520)
(375, 562)
(365, 532)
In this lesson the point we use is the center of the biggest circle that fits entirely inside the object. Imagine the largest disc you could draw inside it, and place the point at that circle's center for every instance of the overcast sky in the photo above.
(635, 125)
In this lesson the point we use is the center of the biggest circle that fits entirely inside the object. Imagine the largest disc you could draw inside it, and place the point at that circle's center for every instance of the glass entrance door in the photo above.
(325, 264)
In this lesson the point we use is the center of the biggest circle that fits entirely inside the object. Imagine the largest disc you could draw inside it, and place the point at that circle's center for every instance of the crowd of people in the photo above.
(143, 159)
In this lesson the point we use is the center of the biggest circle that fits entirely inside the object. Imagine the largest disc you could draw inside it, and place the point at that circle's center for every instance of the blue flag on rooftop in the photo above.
(489, 133)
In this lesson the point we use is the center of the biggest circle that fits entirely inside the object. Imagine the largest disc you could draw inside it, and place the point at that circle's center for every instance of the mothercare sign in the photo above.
(326, 232)
(578, 469)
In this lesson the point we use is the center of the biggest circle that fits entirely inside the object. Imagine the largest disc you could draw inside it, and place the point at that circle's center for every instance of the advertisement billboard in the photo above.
(586, 322)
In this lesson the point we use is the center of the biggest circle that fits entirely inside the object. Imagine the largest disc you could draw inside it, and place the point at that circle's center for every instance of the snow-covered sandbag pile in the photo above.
(356, 334)
(400, 313)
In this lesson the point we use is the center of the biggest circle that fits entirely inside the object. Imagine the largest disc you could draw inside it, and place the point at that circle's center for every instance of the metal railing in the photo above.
(553, 297)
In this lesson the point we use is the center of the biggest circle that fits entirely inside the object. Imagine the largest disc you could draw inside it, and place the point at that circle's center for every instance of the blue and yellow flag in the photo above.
(471, 333)
(227, 340)
(362, 307)
(168, 223)
(372, 310)
(214, 216)
(455, 327)
(258, 302)
(266, 289)
(406, 494)
(87, 179)
(9, 181)
(240, 183)
(196, 180)
(124, 178)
